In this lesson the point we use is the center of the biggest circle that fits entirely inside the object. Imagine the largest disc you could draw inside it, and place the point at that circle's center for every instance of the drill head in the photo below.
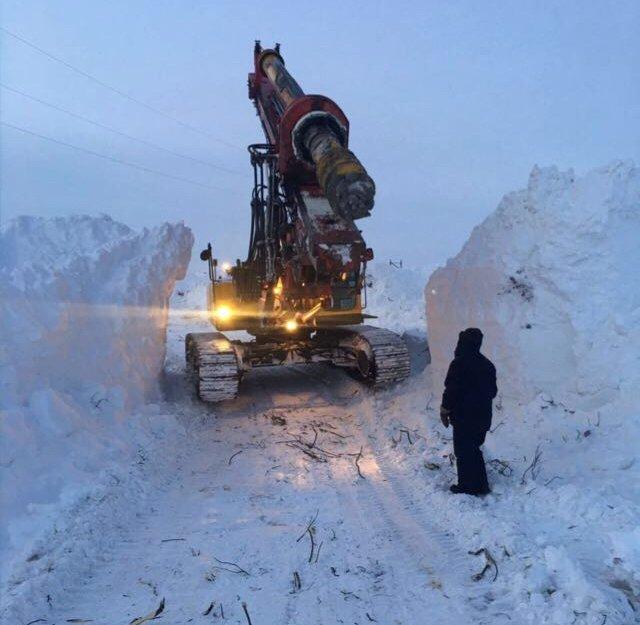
(346, 183)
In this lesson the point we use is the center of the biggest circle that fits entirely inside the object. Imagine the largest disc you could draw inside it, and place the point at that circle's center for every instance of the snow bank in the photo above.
(394, 296)
(83, 309)
(552, 279)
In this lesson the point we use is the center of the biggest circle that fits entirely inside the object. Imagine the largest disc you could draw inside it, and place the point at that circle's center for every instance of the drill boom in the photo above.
(316, 131)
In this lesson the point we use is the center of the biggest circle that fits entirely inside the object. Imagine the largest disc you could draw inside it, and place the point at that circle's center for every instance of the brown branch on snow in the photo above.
(408, 435)
(209, 609)
(533, 467)
(333, 433)
(489, 563)
(357, 460)
(234, 567)
(501, 466)
(315, 438)
(150, 616)
(307, 452)
(313, 520)
(310, 530)
(330, 454)
(154, 588)
(246, 612)
(234, 455)
(297, 582)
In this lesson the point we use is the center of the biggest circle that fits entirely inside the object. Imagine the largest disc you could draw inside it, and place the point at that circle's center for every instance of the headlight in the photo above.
(291, 325)
(223, 313)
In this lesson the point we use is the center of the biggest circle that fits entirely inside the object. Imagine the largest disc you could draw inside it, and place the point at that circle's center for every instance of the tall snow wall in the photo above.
(84, 304)
(552, 278)
(83, 315)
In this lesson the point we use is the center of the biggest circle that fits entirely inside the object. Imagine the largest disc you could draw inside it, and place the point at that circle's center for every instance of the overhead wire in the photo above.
(121, 93)
(115, 131)
(112, 158)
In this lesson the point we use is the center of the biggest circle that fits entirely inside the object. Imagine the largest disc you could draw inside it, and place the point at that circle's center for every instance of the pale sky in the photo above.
(451, 104)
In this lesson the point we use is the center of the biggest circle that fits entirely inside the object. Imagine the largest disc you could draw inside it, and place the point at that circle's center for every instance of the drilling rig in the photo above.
(301, 292)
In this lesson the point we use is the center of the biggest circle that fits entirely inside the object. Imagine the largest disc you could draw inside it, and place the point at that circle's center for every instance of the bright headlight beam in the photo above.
(223, 313)
(291, 325)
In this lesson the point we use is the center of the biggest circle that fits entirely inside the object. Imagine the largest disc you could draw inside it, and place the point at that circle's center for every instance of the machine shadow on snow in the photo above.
(419, 354)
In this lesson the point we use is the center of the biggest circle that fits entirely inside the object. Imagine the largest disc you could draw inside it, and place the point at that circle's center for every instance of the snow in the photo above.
(552, 279)
(394, 297)
(84, 306)
(234, 483)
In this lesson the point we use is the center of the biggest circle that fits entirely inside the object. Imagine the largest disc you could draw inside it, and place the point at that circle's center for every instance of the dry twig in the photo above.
(297, 583)
(311, 530)
(246, 612)
(234, 567)
(233, 456)
(501, 466)
(209, 609)
(150, 616)
(533, 467)
(490, 562)
(357, 463)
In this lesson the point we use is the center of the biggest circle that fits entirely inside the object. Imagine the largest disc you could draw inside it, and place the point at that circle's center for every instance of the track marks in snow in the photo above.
(230, 490)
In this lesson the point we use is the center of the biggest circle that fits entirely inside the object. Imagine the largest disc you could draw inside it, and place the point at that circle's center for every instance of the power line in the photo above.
(118, 132)
(118, 91)
(111, 158)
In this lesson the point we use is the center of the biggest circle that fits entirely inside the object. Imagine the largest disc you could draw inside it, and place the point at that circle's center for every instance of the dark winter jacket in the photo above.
(470, 385)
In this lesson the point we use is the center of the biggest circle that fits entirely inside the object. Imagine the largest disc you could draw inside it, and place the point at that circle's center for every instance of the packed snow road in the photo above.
(284, 503)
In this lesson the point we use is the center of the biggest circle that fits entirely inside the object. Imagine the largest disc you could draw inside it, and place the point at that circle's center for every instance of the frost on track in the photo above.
(83, 310)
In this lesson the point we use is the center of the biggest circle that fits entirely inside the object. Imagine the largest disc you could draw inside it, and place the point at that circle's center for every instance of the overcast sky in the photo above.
(451, 104)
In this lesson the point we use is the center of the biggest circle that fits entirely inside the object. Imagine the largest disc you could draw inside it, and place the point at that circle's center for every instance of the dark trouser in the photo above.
(472, 475)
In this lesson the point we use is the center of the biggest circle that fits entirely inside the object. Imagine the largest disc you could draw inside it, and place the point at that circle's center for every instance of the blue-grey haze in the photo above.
(451, 104)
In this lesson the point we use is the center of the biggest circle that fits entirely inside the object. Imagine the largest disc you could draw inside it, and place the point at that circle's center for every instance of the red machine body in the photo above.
(312, 192)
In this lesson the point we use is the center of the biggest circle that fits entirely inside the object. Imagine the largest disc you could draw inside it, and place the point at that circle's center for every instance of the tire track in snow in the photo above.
(385, 555)
(428, 553)
(414, 552)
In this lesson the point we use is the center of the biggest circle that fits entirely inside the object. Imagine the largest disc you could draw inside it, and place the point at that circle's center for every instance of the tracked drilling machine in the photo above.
(301, 292)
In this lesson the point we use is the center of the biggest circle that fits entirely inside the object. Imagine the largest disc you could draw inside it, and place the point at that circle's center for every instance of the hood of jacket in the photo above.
(469, 342)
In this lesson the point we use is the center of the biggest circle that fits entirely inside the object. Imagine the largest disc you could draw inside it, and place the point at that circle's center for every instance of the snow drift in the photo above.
(83, 309)
(552, 279)
(393, 296)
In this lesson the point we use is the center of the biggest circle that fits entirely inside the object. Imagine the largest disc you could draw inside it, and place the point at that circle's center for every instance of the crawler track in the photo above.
(212, 362)
(387, 354)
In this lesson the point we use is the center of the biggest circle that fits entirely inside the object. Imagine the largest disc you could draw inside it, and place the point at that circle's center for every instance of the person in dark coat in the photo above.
(469, 389)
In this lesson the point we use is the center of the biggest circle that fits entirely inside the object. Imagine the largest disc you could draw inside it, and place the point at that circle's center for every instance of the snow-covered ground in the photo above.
(312, 500)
